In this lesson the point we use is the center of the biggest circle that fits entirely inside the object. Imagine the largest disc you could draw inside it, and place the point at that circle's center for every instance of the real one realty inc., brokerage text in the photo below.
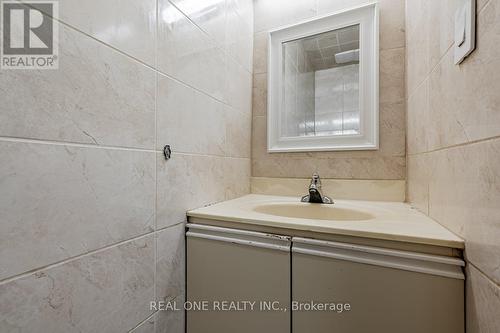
(249, 305)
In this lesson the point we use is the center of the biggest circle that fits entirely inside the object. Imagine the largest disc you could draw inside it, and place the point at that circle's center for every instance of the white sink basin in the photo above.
(313, 211)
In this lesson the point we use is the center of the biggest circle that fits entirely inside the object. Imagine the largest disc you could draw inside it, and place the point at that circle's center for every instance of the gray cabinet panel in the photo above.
(237, 267)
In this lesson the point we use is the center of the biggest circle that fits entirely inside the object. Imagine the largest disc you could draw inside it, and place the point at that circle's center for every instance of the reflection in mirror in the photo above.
(320, 82)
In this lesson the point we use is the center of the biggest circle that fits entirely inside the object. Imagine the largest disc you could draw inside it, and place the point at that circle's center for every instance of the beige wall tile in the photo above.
(244, 9)
(238, 133)
(259, 94)
(188, 54)
(238, 90)
(62, 200)
(186, 182)
(447, 99)
(147, 326)
(213, 24)
(392, 24)
(392, 127)
(260, 43)
(441, 22)
(483, 303)
(236, 177)
(464, 195)
(342, 167)
(277, 13)
(417, 43)
(464, 101)
(170, 280)
(386, 163)
(97, 96)
(418, 181)
(127, 25)
(419, 124)
(239, 34)
(351, 189)
(107, 291)
(449, 187)
(59, 201)
(188, 120)
(460, 112)
(481, 185)
(392, 75)
(326, 7)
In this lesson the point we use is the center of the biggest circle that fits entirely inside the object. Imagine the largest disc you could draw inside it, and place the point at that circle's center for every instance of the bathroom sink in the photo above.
(312, 211)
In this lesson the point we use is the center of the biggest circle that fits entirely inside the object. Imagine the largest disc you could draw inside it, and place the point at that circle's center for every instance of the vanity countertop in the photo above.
(389, 221)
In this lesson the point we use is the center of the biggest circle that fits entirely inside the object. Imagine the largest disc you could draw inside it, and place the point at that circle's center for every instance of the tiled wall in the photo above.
(453, 142)
(337, 99)
(91, 214)
(298, 91)
(386, 163)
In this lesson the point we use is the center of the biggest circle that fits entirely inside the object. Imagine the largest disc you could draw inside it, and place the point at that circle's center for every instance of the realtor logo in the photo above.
(29, 35)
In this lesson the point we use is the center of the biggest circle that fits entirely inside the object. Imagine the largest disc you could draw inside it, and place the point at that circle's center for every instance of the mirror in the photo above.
(323, 76)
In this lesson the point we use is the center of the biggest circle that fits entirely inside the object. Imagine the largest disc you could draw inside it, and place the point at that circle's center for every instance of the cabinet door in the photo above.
(388, 291)
(234, 265)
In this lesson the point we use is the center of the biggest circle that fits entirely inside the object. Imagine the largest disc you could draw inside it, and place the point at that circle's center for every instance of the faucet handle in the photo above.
(315, 179)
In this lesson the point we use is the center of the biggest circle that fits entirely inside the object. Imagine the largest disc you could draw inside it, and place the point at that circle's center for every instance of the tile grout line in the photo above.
(458, 145)
(81, 255)
(210, 37)
(486, 276)
(431, 71)
(116, 148)
(155, 257)
(139, 61)
(73, 258)
(143, 321)
(72, 144)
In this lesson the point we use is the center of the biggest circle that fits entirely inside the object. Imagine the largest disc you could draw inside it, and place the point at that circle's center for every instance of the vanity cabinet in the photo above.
(322, 285)
(225, 265)
(386, 290)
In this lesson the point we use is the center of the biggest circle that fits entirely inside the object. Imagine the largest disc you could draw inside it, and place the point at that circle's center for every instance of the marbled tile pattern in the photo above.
(127, 25)
(97, 96)
(188, 120)
(147, 326)
(187, 182)
(483, 303)
(170, 284)
(188, 54)
(453, 129)
(107, 291)
(60, 201)
(86, 196)
(389, 162)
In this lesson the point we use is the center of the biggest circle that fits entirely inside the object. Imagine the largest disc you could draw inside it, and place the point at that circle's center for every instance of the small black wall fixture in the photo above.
(167, 152)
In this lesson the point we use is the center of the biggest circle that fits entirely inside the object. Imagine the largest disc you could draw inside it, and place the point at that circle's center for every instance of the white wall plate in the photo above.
(465, 29)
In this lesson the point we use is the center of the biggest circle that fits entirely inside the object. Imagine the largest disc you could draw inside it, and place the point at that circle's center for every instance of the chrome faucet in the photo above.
(315, 195)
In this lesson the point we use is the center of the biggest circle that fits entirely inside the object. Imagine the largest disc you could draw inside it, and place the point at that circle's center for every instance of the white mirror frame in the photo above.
(368, 139)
